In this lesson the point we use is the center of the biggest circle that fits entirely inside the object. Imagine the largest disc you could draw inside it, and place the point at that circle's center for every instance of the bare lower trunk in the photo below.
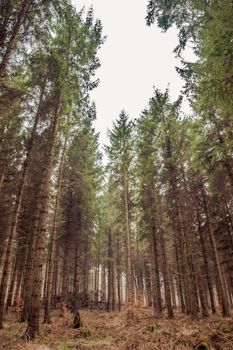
(222, 285)
(2, 180)
(12, 235)
(110, 272)
(206, 266)
(27, 287)
(129, 272)
(47, 314)
(201, 285)
(156, 285)
(148, 284)
(40, 227)
(77, 317)
(166, 278)
(179, 276)
(118, 276)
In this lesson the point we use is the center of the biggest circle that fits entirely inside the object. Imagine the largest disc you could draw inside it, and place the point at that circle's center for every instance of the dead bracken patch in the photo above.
(132, 329)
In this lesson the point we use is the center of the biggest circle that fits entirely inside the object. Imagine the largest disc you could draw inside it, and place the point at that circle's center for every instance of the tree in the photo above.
(120, 161)
(207, 26)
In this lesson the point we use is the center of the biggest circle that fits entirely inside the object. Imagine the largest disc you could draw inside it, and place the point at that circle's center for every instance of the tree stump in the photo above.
(77, 320)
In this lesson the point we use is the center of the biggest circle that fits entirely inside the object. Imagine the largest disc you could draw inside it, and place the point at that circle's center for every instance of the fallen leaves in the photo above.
(131, 329)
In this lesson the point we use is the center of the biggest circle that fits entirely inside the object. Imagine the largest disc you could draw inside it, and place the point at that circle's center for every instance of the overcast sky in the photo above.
(133, 59)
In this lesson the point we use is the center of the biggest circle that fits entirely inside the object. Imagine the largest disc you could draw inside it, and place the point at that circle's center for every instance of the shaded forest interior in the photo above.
(153, 228)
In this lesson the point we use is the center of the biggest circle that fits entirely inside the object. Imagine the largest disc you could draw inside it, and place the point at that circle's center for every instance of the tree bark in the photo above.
(47, 314)
(166, 276)
(77, 317)
(224, 301)
(110, 302)
(206, 265)
(12, 235)
(15, 31)
(40, 227)
(129, 272)
(156, 285)
(118, 276)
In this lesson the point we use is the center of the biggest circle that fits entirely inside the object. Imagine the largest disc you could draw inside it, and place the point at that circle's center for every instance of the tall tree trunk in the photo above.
(15, 31)
(138, 273)
(182, 235)
(40, 227)
(222, 286)
(173, 289)
(110, 272)
(28, 278)
(201, 286)
(55, 282)
(18, 282)
(166, 276)
(156, 285)
(77, 317)
(129, 272)
(23, 239)
(12, 283)
(2, 177)
(179, 275)
(206, 265)
(118, 262)
(103, 281)
(148, 284)
(12, 235)
(47, 314)
(86, 266)
(65, 274)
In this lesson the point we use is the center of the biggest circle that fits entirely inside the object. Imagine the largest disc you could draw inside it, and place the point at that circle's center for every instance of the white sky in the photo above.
(133, 59)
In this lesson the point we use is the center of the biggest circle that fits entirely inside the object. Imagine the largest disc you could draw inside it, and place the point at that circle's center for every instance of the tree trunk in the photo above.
(110, 272)
(47, 314)
(139, 273)
(40, 227)
(148, 284)
(206, 265)
(166, 276)
(201, 286)
(179, 275)
(12, 283)
(12, 235)
(224, 301)
(182, 235)
(118, 276)
(27, 286)
(55, 282)
(15, 31)
(65, 274)
(156, 288)
(129, 272)
(77, 317)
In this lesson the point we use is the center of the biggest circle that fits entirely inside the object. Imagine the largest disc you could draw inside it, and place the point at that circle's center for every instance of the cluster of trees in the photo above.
(155, 226)
(48, 60)
(175, 218)
(172, 187)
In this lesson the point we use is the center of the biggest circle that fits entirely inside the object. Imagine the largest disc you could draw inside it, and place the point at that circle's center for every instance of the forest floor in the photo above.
(131, 329)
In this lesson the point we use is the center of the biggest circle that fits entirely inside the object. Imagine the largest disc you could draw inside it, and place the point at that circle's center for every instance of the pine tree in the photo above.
(120, 161)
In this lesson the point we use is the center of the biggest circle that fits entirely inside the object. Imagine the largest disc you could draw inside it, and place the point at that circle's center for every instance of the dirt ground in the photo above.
(132, 329)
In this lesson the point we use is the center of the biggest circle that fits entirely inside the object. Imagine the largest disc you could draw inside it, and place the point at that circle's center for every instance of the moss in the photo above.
(84, 332)
(65, 346)
(153, 327)
(225, 328)
(183, 341)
